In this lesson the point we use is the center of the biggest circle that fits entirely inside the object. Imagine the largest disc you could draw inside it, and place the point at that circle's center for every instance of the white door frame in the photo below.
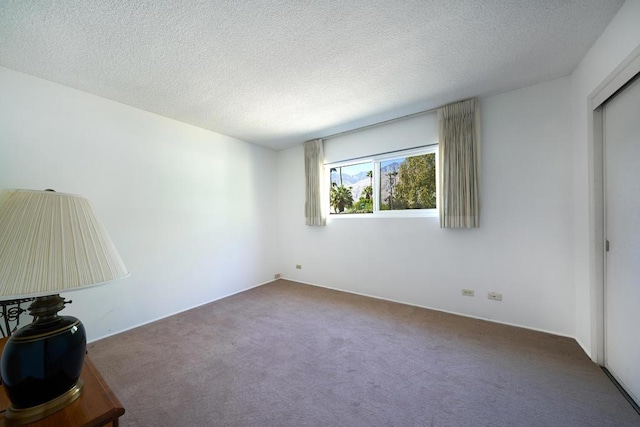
(609, 86)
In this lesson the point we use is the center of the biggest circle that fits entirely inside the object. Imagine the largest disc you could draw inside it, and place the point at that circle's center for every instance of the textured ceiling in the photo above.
(278, 72)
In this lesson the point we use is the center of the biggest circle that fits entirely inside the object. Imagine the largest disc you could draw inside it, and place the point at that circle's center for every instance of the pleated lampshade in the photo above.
(52, 242)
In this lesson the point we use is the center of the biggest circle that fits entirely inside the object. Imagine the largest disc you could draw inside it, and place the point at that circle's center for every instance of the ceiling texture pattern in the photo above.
(279, 72)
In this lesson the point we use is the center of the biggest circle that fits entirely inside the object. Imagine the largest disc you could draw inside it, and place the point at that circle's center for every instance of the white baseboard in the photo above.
(584, 348)
(441, 310)
(179, 311)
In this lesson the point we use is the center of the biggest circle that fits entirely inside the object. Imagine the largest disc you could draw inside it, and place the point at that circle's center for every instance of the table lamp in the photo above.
(49, 243)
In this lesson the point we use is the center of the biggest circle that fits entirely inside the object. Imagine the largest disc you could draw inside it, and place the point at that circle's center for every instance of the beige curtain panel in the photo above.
(314, 174)
(459, 158)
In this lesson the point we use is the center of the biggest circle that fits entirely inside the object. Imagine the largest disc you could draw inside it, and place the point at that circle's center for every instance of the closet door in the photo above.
(622, 231)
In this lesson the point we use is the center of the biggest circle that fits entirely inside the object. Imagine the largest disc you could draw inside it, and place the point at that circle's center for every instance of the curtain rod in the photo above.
(408, 116)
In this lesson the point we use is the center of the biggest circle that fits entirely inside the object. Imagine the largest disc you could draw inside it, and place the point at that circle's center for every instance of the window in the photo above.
(351, 188)
(402, 183)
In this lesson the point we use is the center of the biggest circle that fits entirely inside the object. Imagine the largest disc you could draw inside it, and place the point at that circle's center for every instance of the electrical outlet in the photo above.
(276, 276)
(495, 296)
(298, 266)
(468, 292)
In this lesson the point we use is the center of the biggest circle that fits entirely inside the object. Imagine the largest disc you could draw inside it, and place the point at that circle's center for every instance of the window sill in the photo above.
(431, 213)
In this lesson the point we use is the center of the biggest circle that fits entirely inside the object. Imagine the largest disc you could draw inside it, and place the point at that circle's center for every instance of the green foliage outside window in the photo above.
(403, 183)
(416, 188)
(340, 198)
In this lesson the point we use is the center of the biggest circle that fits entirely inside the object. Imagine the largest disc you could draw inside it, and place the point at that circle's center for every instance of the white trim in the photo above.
(437, 309)
(406, 213)
(625, 71)
(343, 163)
(597, 216)
(376, 161)
(353, 293)
(584, 348)
(426, 149)
(180, 311)
(616, 79)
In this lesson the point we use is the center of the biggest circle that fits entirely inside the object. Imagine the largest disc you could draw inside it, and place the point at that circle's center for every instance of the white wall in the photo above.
(190, 211)
(399, 135)
(523, 248)
(182, 204)
(618, 40)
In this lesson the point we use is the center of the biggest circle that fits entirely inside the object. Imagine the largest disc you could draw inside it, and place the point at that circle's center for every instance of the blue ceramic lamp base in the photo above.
(41, 363)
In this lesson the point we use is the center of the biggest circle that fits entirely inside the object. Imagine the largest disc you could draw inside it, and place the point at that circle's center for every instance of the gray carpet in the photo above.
(287, 354)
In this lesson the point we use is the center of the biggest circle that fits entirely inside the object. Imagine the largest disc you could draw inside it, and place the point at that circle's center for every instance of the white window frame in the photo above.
(376, 160)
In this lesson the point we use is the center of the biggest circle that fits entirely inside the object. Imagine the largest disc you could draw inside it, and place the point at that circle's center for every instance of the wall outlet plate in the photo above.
(468, 292)
(276, 276)
(495, 296)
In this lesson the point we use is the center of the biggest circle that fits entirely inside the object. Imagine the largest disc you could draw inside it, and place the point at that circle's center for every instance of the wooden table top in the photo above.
(96, 406)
